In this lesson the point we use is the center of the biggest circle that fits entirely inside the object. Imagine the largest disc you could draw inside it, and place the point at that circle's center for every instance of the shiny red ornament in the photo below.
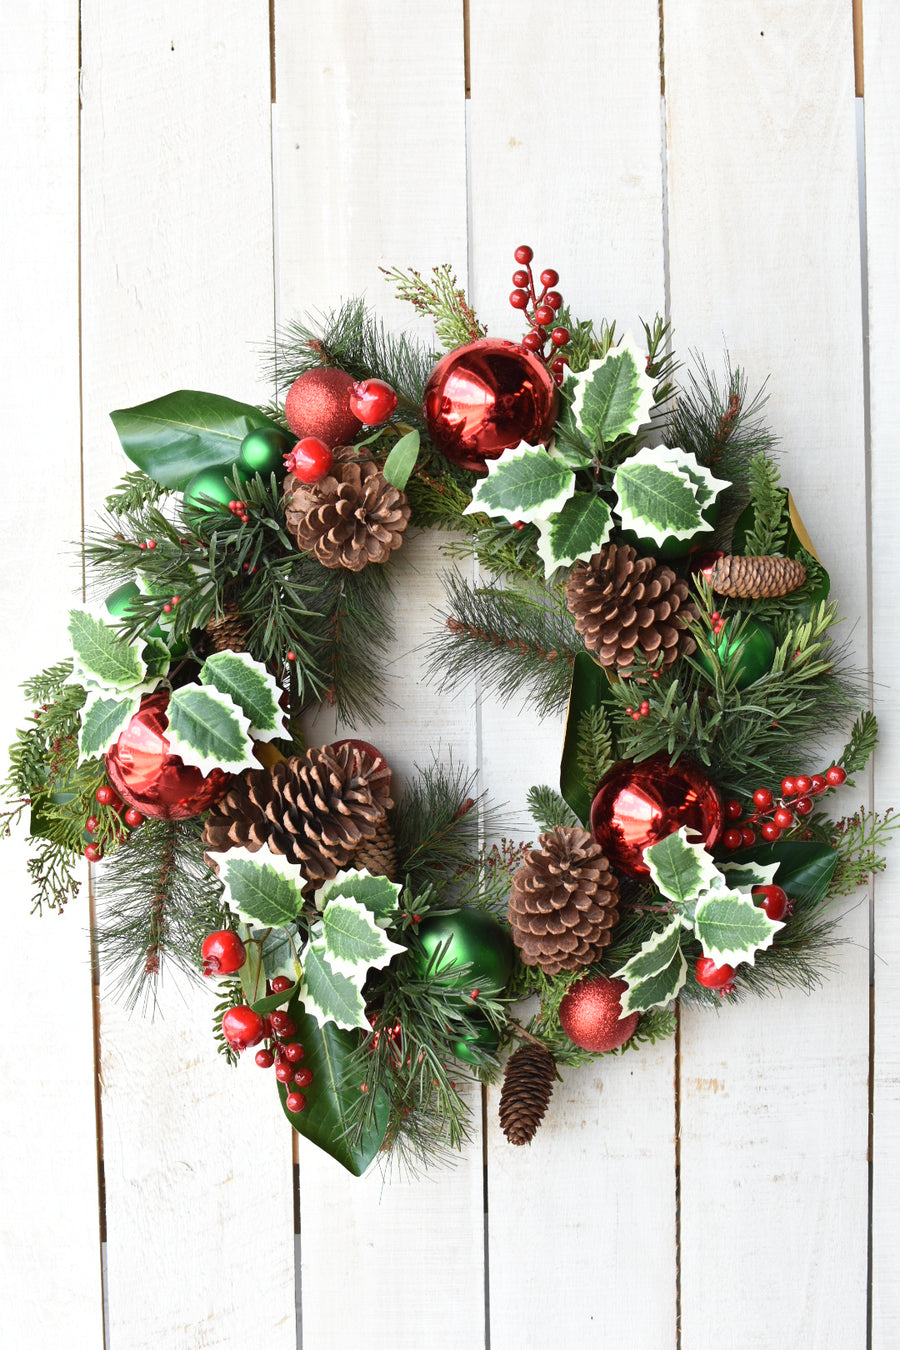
(637, 805)
(152, 780)
(318, 404)
(485, 397)
(590, 1014)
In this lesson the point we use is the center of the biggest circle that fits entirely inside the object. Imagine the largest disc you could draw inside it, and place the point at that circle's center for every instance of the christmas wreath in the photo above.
(639, 565)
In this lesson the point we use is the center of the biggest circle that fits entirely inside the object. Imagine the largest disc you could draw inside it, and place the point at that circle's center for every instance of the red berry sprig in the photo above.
(543, 312)
(773, 815)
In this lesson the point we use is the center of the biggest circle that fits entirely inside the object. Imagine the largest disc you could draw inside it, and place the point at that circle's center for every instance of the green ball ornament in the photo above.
(213, 483)
(263, 451)
(474, 939)
(753, 646)
(483, 1039)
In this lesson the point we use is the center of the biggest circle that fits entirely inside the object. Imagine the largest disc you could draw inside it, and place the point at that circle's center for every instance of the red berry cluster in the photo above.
(774, 814)
(243, 1028)
(129, 818)
(239, 509)
(310, 460)
(372, 402)
(543, 311)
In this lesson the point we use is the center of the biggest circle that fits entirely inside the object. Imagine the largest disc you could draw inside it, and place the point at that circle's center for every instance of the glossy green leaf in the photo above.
(402, 460)
(590, 689)
(804, 869)
(173, 437)
(524, 484)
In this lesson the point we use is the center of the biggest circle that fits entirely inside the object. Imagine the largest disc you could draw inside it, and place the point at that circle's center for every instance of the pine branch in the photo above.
(442, 300)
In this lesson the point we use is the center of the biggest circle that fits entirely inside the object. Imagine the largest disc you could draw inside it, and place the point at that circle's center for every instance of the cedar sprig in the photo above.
(441, 299)
(548, 809)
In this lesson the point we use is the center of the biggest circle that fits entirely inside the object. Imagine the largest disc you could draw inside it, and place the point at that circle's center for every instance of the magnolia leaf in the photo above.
(327, 994)
(261, 888)
(613, 396)
(208, 729)
(731, 928)
(579, 530)
(251, 687)
(102, 721)
(402, 460)
(524, 484)
(659, 493)
(101, 655)
(378, 894)
(681, 871)
(655, 991)
(655, 955)
(354, 942)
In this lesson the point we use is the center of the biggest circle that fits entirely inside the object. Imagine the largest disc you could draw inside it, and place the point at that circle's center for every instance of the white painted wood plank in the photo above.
(581, 183)
(371, 172)
(177, 287)
(49, 1203)
(764, 253)
(882, 52)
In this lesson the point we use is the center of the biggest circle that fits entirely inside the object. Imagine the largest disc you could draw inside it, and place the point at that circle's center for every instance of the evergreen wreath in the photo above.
(646, 570)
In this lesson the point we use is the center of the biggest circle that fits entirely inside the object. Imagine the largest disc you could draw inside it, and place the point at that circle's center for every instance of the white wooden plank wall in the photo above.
(205, 212)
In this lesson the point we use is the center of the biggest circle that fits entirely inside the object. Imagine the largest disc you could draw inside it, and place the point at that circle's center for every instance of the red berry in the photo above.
(523, 254)
(549, 278)
(284, 1071)
(265, 1059)
(281, 984)
(223, 953)
(770, 831)
(295, 1101)
(520, 279)
(559, 337)
(294, 1052)
(553, 299)
(106, 796)
(819, 784)
(518, 299)
(91, 824)
(836, 775)
(733, 810)
(732, 839)
(310, 460)
(773, 900)
(748, 836)
(133, 818)
(372, 402)
(802, 784)
(783, 818)
(93, 852)
(303, 1077)
(243, 1027)
(712, 976)
(763, 798)
(544, 314)
(803, 806)
(788, 788)
(532, 341)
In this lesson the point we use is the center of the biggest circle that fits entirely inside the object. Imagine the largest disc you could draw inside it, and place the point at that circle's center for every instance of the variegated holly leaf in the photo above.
(681, 871)
(731, 929)
(658, 492)
(579, 530)
(327, 995)
(354, 943)
(378, 894)
(656, 974)
(261, 888)
(525, 483)
(208, 729)
(613, 396)
(103, 719)
(102, 657)
(250, 686)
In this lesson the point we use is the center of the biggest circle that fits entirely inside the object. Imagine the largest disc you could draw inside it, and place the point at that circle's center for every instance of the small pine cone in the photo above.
(378, 855)
(351, 518)
(230, 632)
(525, 1095)
(622, 602)
(315, 810)
(756, 578)
(563, 902)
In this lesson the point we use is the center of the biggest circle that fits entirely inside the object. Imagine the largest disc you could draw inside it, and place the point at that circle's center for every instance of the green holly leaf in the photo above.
(402, 460)
(102, 722)
(525, 484)
(656, 974)
(613, 396)
(579, 530)
(102, 657)
(681, 871)
(251, 687)
(261, 888)
(327, 994)
(731, 929)
(173, 437)
(378, 894)
(658, 492)
(353, 941)
(207, 729)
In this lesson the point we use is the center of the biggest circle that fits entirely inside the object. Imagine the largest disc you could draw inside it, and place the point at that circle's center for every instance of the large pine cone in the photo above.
(316, 810)
(622, 602)
(526, 1092)
(563, 902)
(350, 518)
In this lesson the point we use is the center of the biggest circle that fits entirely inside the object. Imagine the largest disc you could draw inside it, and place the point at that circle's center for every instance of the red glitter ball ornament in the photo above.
(318, 404)
(148, 777)
(485, 397)
(637, 805)
(591, 1014)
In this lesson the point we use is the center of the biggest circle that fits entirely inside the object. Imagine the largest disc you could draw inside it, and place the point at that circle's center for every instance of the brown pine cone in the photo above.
(756, 578)
(350, 518)
(527, 1088)
(229, 632)
(315, 810)
(622, 602)
(563, 902)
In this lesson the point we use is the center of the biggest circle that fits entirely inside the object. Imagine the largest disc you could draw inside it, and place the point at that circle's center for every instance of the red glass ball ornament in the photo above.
(149, 778)
(485, 397)
(590, 1014)
(637, 805)
(318, 404)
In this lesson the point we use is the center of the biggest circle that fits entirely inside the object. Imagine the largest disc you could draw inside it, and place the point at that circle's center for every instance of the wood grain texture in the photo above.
(49, 1202)
(764, 253)
(882, 170)
(177, 272)
(589, 201)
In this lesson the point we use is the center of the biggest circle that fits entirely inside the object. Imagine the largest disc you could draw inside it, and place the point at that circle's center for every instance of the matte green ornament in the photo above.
(263, 450)
(213, 483)
(481, 1040)
(753, 647)
(474, 939)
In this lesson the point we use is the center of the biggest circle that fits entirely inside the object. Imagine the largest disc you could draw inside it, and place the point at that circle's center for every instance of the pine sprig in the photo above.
(442, 299)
